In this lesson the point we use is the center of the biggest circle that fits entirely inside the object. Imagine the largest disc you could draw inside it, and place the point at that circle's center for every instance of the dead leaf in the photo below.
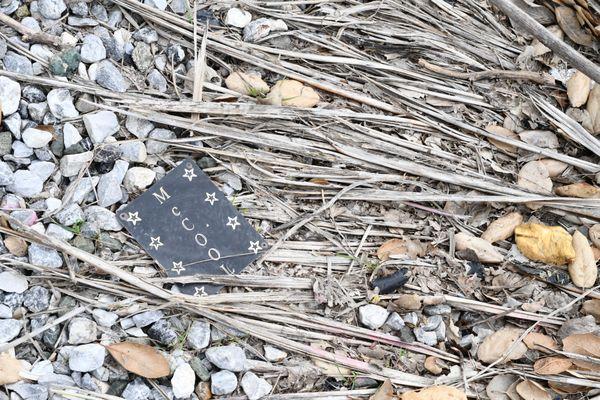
(436, 393)
(585, 344)
(432, 365)
(530, 390)
(495, 345)
(567, 20)
(594, 234)
(592, 307)
(534, 177)
(565, 388)
(482, 248)
(582, 268)
(551, 365)
(502, 131)
(10, 369)
(498, 387)
(539, 341)
(502, 228)
(292, 93)
(140, 359)
(593, 108)
(544, 139)
(410, 302)
(580, 189)
(385, 392)
(554, 167)
(578, 89)
(247, 83)
(548, 244)
(395, 248)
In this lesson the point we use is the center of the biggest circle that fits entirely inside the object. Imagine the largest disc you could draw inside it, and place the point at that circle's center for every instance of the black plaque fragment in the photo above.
(189, 227)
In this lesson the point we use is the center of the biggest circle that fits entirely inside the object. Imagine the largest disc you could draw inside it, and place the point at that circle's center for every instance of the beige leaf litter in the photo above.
(503, 227)
(580, 189)
(432, 365)
(502, 131)
(530, 390)
(539, 138)
(582, 267)
(247, 83)
(484, 250)
(534, 177)
(551, 365)
(385, 392)
(591, 307)
(539, 341)
(436, 393)
(496, 344)
(548, 244)
(578, 89)
(569, 23)
(10, 369)
(585, 344)
(594, 233)
(140, 359)
(396, 248)
(593, 108)
(554, 167)
(499, 385)
(292, 93)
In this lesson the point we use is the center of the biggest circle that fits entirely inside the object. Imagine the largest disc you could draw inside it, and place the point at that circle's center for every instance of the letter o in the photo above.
(200, 236)
(211, 251)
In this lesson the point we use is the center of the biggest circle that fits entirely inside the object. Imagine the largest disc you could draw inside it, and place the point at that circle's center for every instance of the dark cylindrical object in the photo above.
(389, 284)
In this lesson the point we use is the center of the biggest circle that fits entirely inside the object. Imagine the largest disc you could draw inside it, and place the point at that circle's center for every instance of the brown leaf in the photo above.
(565, 388)
(247, 83)
(495, 345)
(436, 393)
(432, 365)
(482, 248)
(539, 341)
(411, 302)
(502, 228)
(140, 359)
(554, 167)
(582, 268)
(580, 189)
(395, 248)
(548, 244)
(10, 369)
(292, 93)
(594, 234)
(593, 108)
(534, 177)
(585, 344)
(500, 130)
(385, 392)
(530, 390)
(567, 19)
(592, 307)
(498, 387)
(551, 365)
(578, 89)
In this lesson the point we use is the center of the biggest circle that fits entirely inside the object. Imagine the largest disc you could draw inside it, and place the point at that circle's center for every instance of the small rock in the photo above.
(372, 316)
(158, 4)
(142, 56)
(102, 218)
(109, 185)
(183, 381)
(71, 164)
(13, 282)
(162, 332)
(70, 215)
(29, 391)
(175, 53)
(411, 319)
(51, 9)
(238, 18)
(231, 357)
(36, 138)
(21, 150)
(223, 382)
(58, 232)
(37, 298)
(44, 256)
(6, 174)
(100, 125)
(10, 95)
(105, 318)
(37, 111)
(138, 178)
(273, 354)
(147, 318)
(109, 77)
(65, 63)
(133, 151)
(438, 309)
(395, 321)
(43, 169)
(26, 184)
(157, 81)
(82, 330)
(136, 390)
(198, 336)
(9, 329)
(255, 387)
(155, 147)
(146, 35)
(61, 105)
(5, 311)
(87, 357)
(425, 337)
(138, 126)
(71, 135)
(14, 62)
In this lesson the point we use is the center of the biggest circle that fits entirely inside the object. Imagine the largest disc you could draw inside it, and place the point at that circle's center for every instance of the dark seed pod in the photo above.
(389, 284)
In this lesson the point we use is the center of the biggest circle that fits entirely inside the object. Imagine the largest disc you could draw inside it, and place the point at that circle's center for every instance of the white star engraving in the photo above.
(178, 267)
(189, 173)
(200, 291)
(232, 222)
(134, 218)
(155, 242)
(254, 246)
(211, 198)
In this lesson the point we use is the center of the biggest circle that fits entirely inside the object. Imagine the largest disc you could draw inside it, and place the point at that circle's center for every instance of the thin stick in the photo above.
(29, 35)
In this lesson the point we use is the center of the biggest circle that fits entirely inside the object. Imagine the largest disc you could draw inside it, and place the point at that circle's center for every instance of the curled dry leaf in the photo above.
(395, 248)
(548, 244)
(498, 387)
(592, 307)
(10, 369)
(580, 189)
(554, 167)
(140, 359)
(292, 93)
(539, 341)
(432, 365)
(551, 365)
(578, 89)
(495, 345)
(585, 344)
(502, 131)
(544, 139)
(582, 268)
(530, 390)
(411, 302)
(502, 228)
(593, 108)
(567, 20)
(482, 248)
(594, 233)
(385, 392)
(436, 393)
(247, 83)
(534, 177)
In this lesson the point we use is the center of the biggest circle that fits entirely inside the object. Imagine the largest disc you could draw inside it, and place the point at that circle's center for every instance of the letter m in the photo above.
(162, 196)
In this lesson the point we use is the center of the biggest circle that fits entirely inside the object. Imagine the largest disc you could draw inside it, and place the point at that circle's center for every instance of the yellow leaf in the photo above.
(549, 244)
(551, 365)
(436, 393)
(140, 359)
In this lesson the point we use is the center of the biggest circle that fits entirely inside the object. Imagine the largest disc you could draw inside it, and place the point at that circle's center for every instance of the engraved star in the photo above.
(134, 218)
(200, 291)
(178, 267)
(155, 242)
(189, 173)
(211, 198)
(254, 246)
(232, 222)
